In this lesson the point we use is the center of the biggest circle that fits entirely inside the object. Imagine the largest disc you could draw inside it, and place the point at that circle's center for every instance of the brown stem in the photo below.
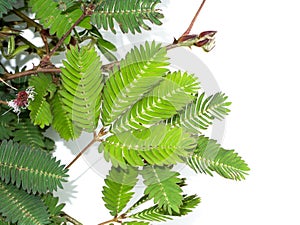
(105, 68)
(30, 72)
(81, 153)
(3, 102)
(60, 42)
(97, 138)
(27, 19)
(193, 20)
(70, 219)
(115, 219)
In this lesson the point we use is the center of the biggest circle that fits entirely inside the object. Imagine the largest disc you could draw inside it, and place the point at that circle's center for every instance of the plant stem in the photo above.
(105, 68)
(194, 19)
(3, 102)
(70, 219)
(110, 221)
(30, 72)
(115, 219)
(27, 19)
(81, 153)
(60, 42)
(97, 138)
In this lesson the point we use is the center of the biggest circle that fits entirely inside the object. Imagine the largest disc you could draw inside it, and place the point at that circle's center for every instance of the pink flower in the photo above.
(22, 101)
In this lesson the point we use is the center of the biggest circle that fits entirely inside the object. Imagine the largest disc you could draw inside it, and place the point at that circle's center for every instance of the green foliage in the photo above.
(136, 223)
(62, 122)
(54, 209)
(118, 190)
(150, 118)
(210, 156)
(157, 145)
(162, 186)
(50, 16)
(26, 133)
(104, 46)
(129, 15)
(32, 169)
(155, 213)
(5, 6)
(6, 128)
(3, 221)
(198, 115)
(139, 72)
(81, 87)
(164, 101)
(19, 207)
(40, 109)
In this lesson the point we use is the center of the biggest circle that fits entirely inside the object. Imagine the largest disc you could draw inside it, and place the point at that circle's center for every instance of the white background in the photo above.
(256, 63)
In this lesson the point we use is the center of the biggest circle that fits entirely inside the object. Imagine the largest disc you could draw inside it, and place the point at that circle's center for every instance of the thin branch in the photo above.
(3, 102)
(113, 220)
(81, 153)
(27, 19)
(7, 84)
(70, 219)
(97, 138)
(60, 42)
(193, 20)
(30, 72)
(3, 67)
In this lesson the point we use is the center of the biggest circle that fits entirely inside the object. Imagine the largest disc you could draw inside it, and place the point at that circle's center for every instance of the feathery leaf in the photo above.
(210, 156)
(162, 186)
(82, 86)
(40, 109)
(32, 169)
(5, 6)
(164, 101)
(117, 192)
(59, 22)
(26, 133)
(6, 128)
(200, 114)
(19, 207)
(136, 223)
(155, 213)
(62, 121)
(139, 72)
(157, 145)
(129, 14)
(54, 209)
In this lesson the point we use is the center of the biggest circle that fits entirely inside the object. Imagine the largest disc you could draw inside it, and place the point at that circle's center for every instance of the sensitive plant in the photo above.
(145, 118)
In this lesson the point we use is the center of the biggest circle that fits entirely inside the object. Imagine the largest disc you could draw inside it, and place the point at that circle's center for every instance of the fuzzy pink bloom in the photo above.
(22, 100)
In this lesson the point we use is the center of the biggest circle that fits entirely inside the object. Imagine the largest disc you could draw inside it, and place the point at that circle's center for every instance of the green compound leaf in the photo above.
(209, 156)
(82, 83)
(26, 133)
(54, 209)
(62, 121)
(199, 115)
(162, 186)
(164, 101)
(5, 6)
(19, 207)
(140, 71)
(155, 213)
(118, 190)
(32, 169)
(40, 109)
(136, 223)
(59, 22)
(130, 15)
(157, 145)
(6, 125)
